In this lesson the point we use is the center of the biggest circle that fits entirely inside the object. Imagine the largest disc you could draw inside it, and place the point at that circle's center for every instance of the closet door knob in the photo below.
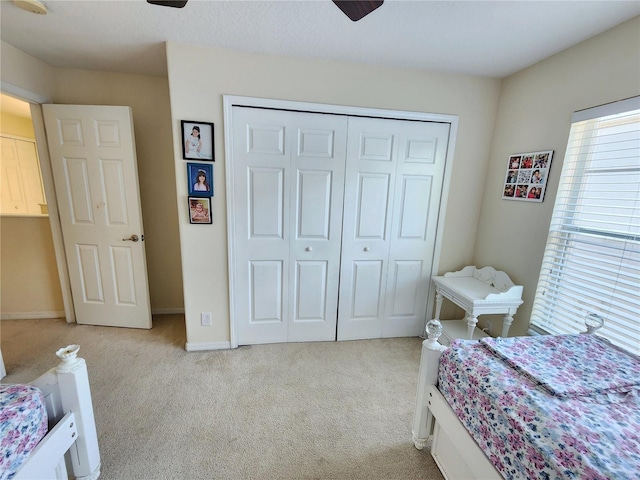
(308, 249)
(366, 249)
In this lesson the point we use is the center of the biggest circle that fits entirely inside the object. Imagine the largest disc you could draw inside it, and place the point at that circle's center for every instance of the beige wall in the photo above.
(29, 283)
(199, 97)
(29, 275)
(534, 113)
(15, 125)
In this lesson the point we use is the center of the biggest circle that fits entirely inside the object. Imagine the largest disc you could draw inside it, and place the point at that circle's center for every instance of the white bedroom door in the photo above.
(288, 178)
(93, 160)
(394, 177)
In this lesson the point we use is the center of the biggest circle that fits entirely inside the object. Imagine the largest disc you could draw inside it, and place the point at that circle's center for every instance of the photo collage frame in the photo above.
(527, 175)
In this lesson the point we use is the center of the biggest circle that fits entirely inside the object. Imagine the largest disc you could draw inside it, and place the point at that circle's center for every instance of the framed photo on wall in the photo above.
(527, 176)
(197, 140)
(200, 210)
(200, 179)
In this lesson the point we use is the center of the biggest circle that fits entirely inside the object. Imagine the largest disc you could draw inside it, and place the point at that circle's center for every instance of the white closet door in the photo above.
(393, 183)
(420, 164)
(288, 177)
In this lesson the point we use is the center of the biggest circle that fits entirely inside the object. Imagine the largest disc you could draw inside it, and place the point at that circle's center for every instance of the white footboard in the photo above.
(455, 452)
(428, 376)
(72, 441)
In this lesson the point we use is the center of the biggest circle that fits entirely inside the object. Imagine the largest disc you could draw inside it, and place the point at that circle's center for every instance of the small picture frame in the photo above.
(527, 176)
(200, 210)
(200, 179)
(197, 140)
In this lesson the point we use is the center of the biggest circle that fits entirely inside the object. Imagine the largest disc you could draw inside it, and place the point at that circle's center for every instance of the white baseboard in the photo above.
(31, 315)
(167, 311)
(60, 314)
(200, 346)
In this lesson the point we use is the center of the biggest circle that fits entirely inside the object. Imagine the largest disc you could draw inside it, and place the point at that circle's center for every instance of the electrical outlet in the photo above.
(205, 317)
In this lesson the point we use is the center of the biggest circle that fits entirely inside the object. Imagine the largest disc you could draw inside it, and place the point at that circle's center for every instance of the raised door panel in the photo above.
(311, 291)
(88, 261)
(372, 199)
(313, 204)
(79, 205)
(122, 268)
(113, 185)
(265, 292)
(266, 203)
(366, 290)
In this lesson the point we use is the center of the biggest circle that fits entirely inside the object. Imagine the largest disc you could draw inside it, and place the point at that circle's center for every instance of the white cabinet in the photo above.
(478, 292)
(22, 189)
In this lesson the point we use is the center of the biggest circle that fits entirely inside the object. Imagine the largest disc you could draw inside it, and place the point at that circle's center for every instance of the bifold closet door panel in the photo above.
(288, 177)
(368, 202)
(393, 184)
(318, 158)
(420, 166)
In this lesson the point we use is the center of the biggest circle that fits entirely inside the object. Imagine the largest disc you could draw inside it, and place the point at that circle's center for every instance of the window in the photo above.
(591, 263)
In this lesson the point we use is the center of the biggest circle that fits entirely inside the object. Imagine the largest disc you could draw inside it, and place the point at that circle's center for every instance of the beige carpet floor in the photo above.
(329, 410)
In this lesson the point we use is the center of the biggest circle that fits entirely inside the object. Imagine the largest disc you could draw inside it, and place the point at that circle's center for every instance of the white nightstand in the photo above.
(477, 292)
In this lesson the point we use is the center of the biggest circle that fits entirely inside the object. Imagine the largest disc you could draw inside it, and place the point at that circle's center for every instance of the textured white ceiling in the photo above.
(488, 38)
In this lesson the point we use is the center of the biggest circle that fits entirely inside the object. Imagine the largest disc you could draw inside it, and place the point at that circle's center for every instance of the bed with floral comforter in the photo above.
(23, 423)
(549, 407)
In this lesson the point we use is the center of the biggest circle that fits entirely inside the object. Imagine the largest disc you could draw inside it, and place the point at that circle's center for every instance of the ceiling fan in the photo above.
(354, 9)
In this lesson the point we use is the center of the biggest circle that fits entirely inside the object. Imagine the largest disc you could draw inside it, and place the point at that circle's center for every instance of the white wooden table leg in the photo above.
(506, 324)
(439, 298)
(472, 321)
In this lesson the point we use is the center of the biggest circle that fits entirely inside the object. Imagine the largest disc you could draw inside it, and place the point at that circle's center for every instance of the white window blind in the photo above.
(591, 262)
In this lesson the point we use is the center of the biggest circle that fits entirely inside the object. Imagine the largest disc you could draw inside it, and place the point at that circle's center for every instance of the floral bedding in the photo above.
(528, 433)
(23, 423)
(569, 365)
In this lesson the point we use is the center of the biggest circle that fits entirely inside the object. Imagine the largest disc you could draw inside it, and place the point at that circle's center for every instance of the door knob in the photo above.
(308, 249)
(366, 249)
(132, 238)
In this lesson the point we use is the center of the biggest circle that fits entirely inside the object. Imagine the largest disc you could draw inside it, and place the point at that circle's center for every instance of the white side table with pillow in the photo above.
(477, 292)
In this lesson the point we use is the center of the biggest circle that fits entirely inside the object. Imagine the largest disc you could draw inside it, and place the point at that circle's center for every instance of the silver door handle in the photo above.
(308, 249)
(132, 238)
(366, 249)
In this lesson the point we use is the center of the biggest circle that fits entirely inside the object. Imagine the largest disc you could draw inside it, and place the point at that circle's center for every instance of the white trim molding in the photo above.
(167, 311)
(205, 346)
(31, 315)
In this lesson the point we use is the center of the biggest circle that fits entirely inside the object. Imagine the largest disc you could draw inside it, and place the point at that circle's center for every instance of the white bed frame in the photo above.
(71, 445)
(454, 450)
